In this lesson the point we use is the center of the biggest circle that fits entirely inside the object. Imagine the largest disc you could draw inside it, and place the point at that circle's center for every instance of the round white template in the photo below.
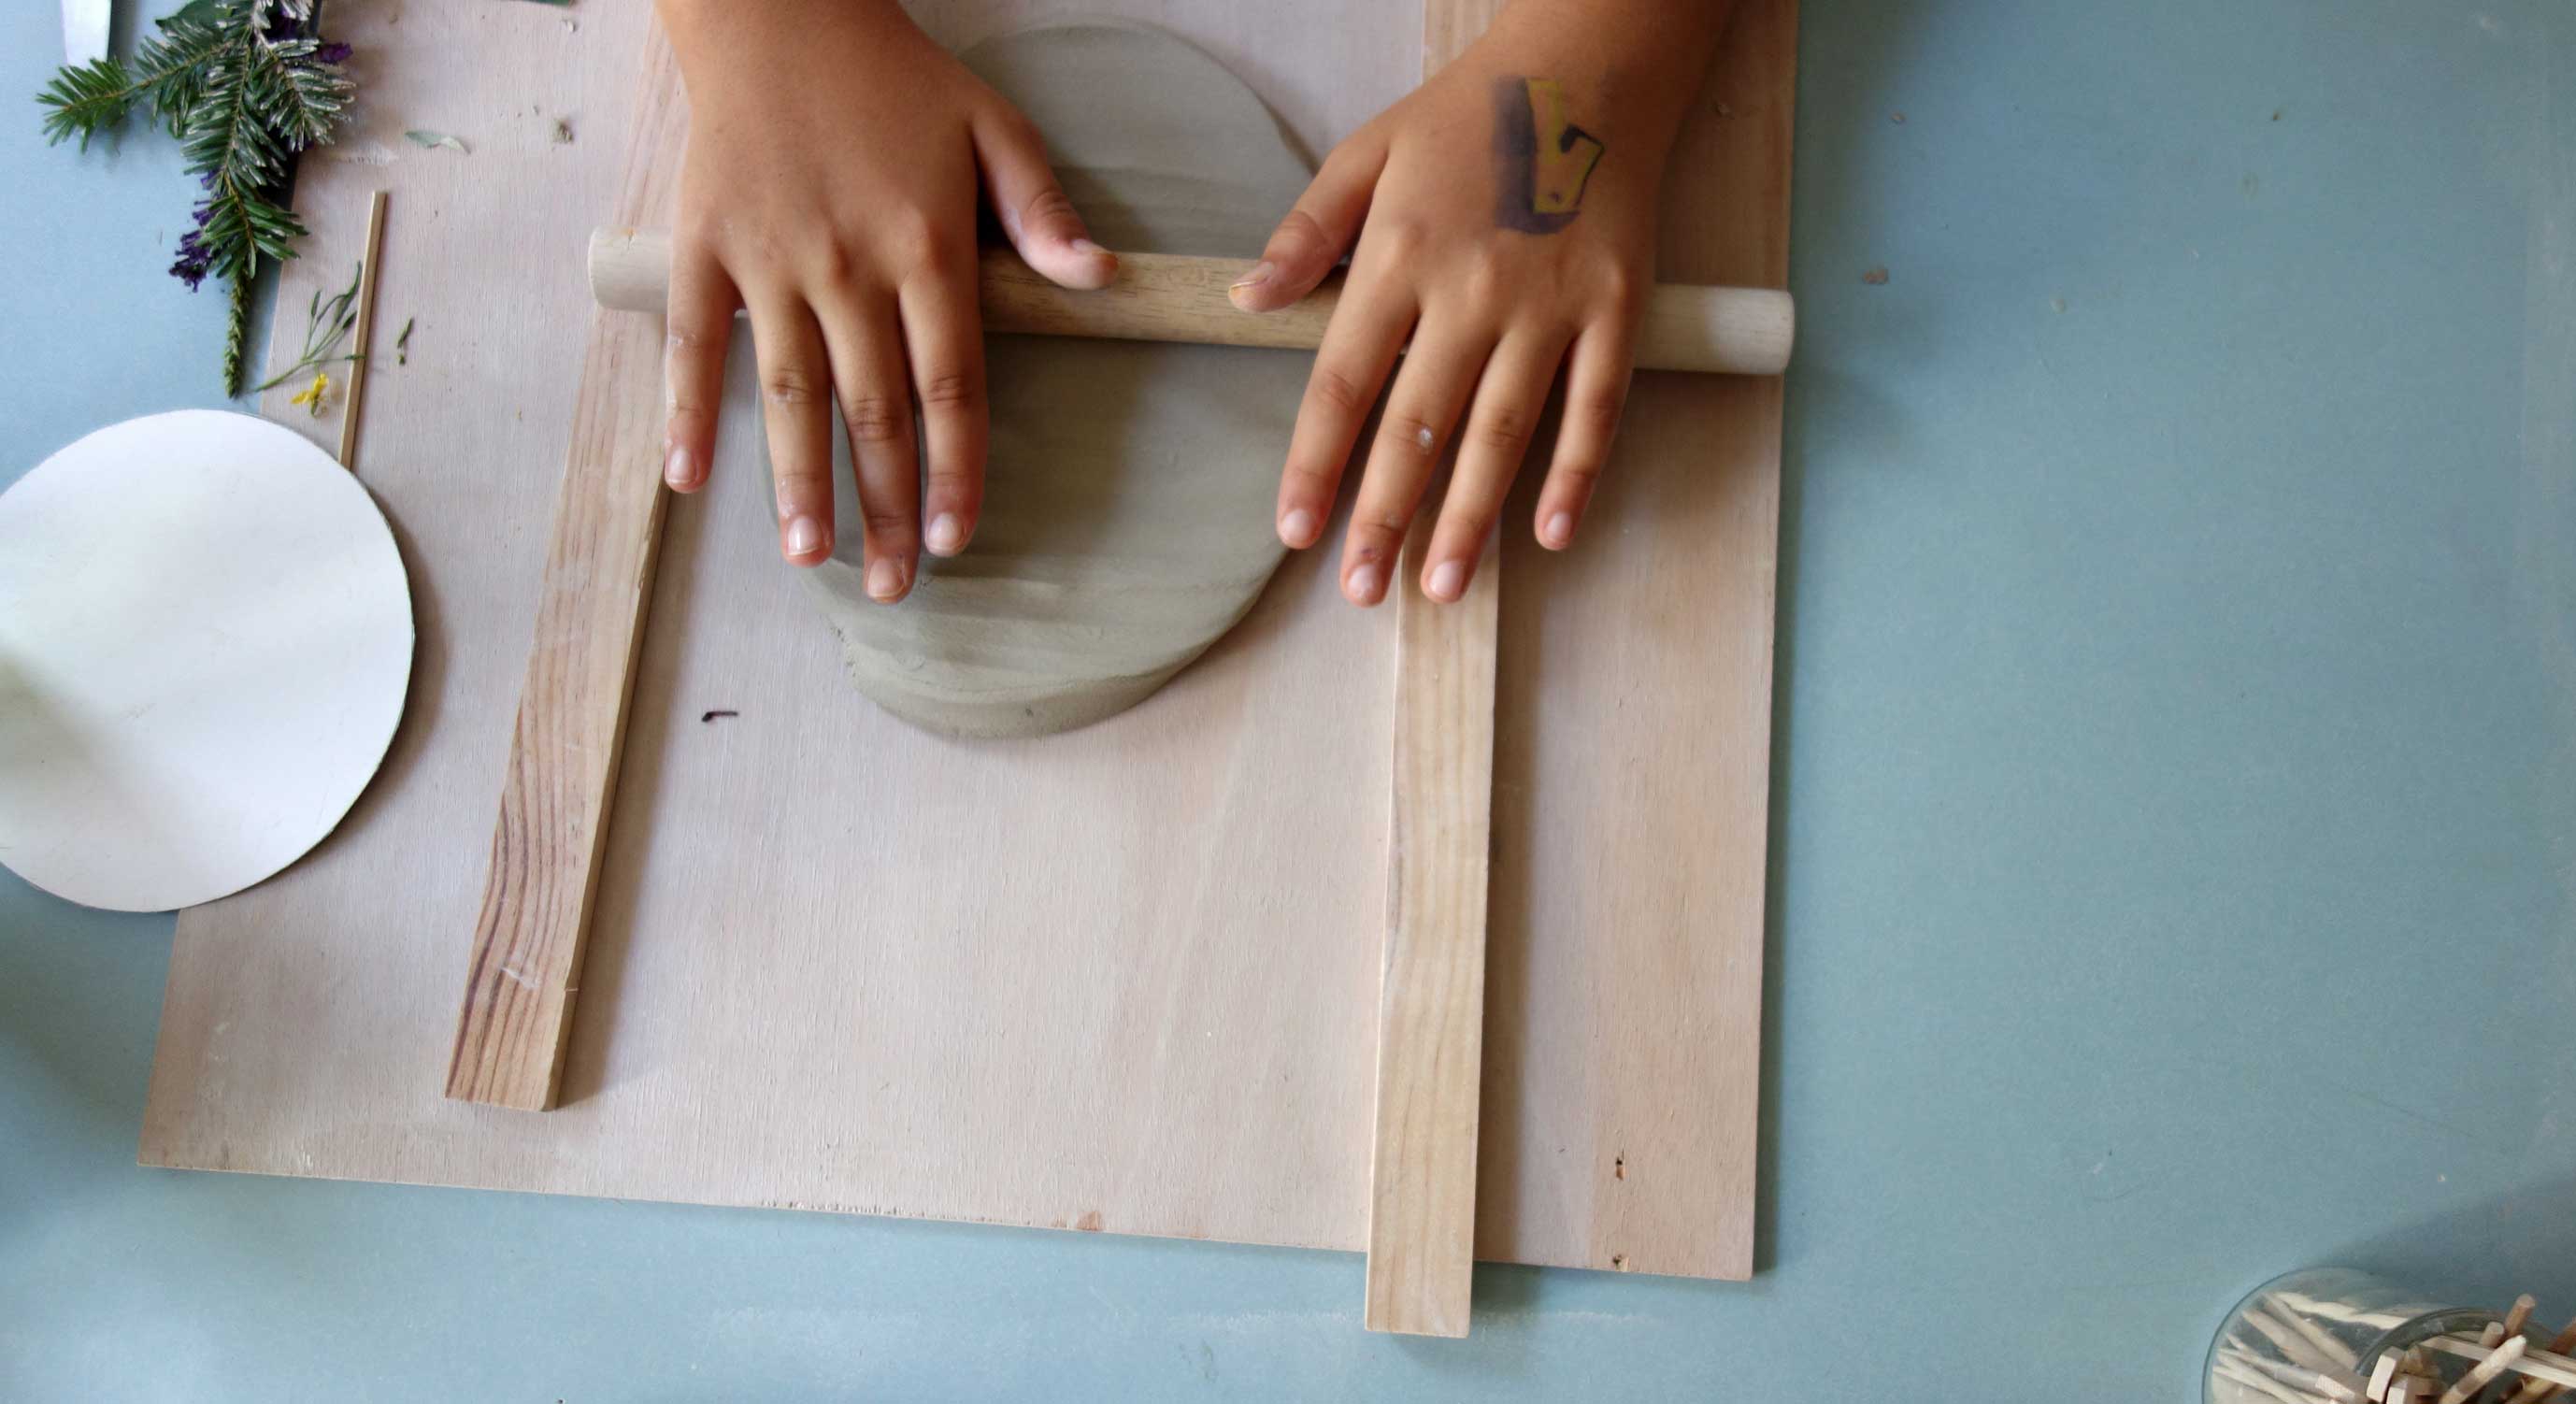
(205, 638)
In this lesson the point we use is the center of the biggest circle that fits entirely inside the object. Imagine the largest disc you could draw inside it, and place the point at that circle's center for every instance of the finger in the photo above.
(875, 394)
(698, 326)
(1033, 210)
(943, 337)
(1596, 391)
(1317, 231)
(1431, 392)
(1360, 345)
(1506, 406)
(796, 399)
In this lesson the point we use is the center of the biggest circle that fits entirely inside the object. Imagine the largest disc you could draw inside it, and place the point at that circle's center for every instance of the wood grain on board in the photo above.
(1431, 995)
(1431, 999)
(1121, 979)
(570, 726)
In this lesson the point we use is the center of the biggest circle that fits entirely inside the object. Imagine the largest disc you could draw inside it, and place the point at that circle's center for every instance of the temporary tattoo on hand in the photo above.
(1541, 160)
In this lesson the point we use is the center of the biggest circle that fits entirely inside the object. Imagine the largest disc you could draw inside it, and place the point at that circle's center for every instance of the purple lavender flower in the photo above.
(333, 52)
(191, 265)
(195, 259)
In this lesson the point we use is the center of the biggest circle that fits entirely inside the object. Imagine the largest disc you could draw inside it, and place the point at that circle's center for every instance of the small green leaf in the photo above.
(326, 324)
(194, 12)
(434, 140)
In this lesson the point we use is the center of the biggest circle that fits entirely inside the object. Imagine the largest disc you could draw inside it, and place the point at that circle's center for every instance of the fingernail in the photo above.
(677, 470)
(1560, 529)
(885, 579)
(1447, 579)
(1086, 247)
(1363, 584)
(1298, 528)
(946, 533)
(804, 536)
(1257, 277)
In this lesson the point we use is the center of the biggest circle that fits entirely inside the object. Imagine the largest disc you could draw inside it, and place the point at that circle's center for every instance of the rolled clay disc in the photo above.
(205, 637)
(1130, 487)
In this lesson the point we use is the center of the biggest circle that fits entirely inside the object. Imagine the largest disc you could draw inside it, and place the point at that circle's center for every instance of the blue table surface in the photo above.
(2174, 802)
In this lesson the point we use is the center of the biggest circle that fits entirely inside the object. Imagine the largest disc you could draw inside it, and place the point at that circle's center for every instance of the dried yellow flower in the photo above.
(314, 395)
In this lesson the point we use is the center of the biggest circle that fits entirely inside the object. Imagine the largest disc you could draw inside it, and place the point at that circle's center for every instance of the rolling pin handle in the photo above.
(630, 269)
(1735, 331)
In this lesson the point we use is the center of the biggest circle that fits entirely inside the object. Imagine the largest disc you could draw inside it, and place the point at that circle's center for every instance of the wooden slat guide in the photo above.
(571, 725)
(1431, 1004)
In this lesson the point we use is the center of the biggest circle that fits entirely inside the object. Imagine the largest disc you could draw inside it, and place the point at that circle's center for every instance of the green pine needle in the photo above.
(242, 226)
(166, 73)
(84, 101)
(298, 97)
(170, 67)
(194, 12)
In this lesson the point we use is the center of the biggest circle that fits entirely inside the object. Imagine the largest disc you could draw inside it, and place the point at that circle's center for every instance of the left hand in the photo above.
(1506, 226)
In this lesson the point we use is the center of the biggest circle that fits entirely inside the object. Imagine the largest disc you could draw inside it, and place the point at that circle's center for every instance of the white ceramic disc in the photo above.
(205, 637)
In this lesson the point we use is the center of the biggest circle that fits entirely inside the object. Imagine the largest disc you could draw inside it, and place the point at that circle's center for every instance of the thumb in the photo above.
(1034, 213)
(1317, 232)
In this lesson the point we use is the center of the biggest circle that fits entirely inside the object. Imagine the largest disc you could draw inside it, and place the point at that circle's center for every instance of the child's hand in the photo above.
(830, 188)
(1505, 221)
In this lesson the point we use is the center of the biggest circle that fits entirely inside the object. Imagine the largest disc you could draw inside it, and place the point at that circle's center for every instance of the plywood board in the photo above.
(1122, 979)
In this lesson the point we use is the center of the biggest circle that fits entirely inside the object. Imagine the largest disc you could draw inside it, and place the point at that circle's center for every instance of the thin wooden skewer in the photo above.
(2228, 1369)
(2291, 1343)
(2316, 1380)
(2328, 1310)
(2540, 1391)
(2331, 1348)
(2539, 1364)
(363, 362)
(2467, 1386)
(2534, 1391)
(2520, 1316)
(2336, 1311)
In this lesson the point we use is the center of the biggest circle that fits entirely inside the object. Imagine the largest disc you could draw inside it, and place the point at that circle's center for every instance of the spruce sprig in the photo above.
(243, 85)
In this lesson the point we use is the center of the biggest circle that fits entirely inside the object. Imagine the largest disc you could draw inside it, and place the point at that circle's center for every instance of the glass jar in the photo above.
(2329, 1335)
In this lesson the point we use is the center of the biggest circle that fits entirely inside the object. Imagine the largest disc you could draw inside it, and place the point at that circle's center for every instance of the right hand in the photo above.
(830, 189)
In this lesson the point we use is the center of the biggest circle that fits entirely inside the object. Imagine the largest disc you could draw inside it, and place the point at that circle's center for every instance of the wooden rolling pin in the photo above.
(1168, 297)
